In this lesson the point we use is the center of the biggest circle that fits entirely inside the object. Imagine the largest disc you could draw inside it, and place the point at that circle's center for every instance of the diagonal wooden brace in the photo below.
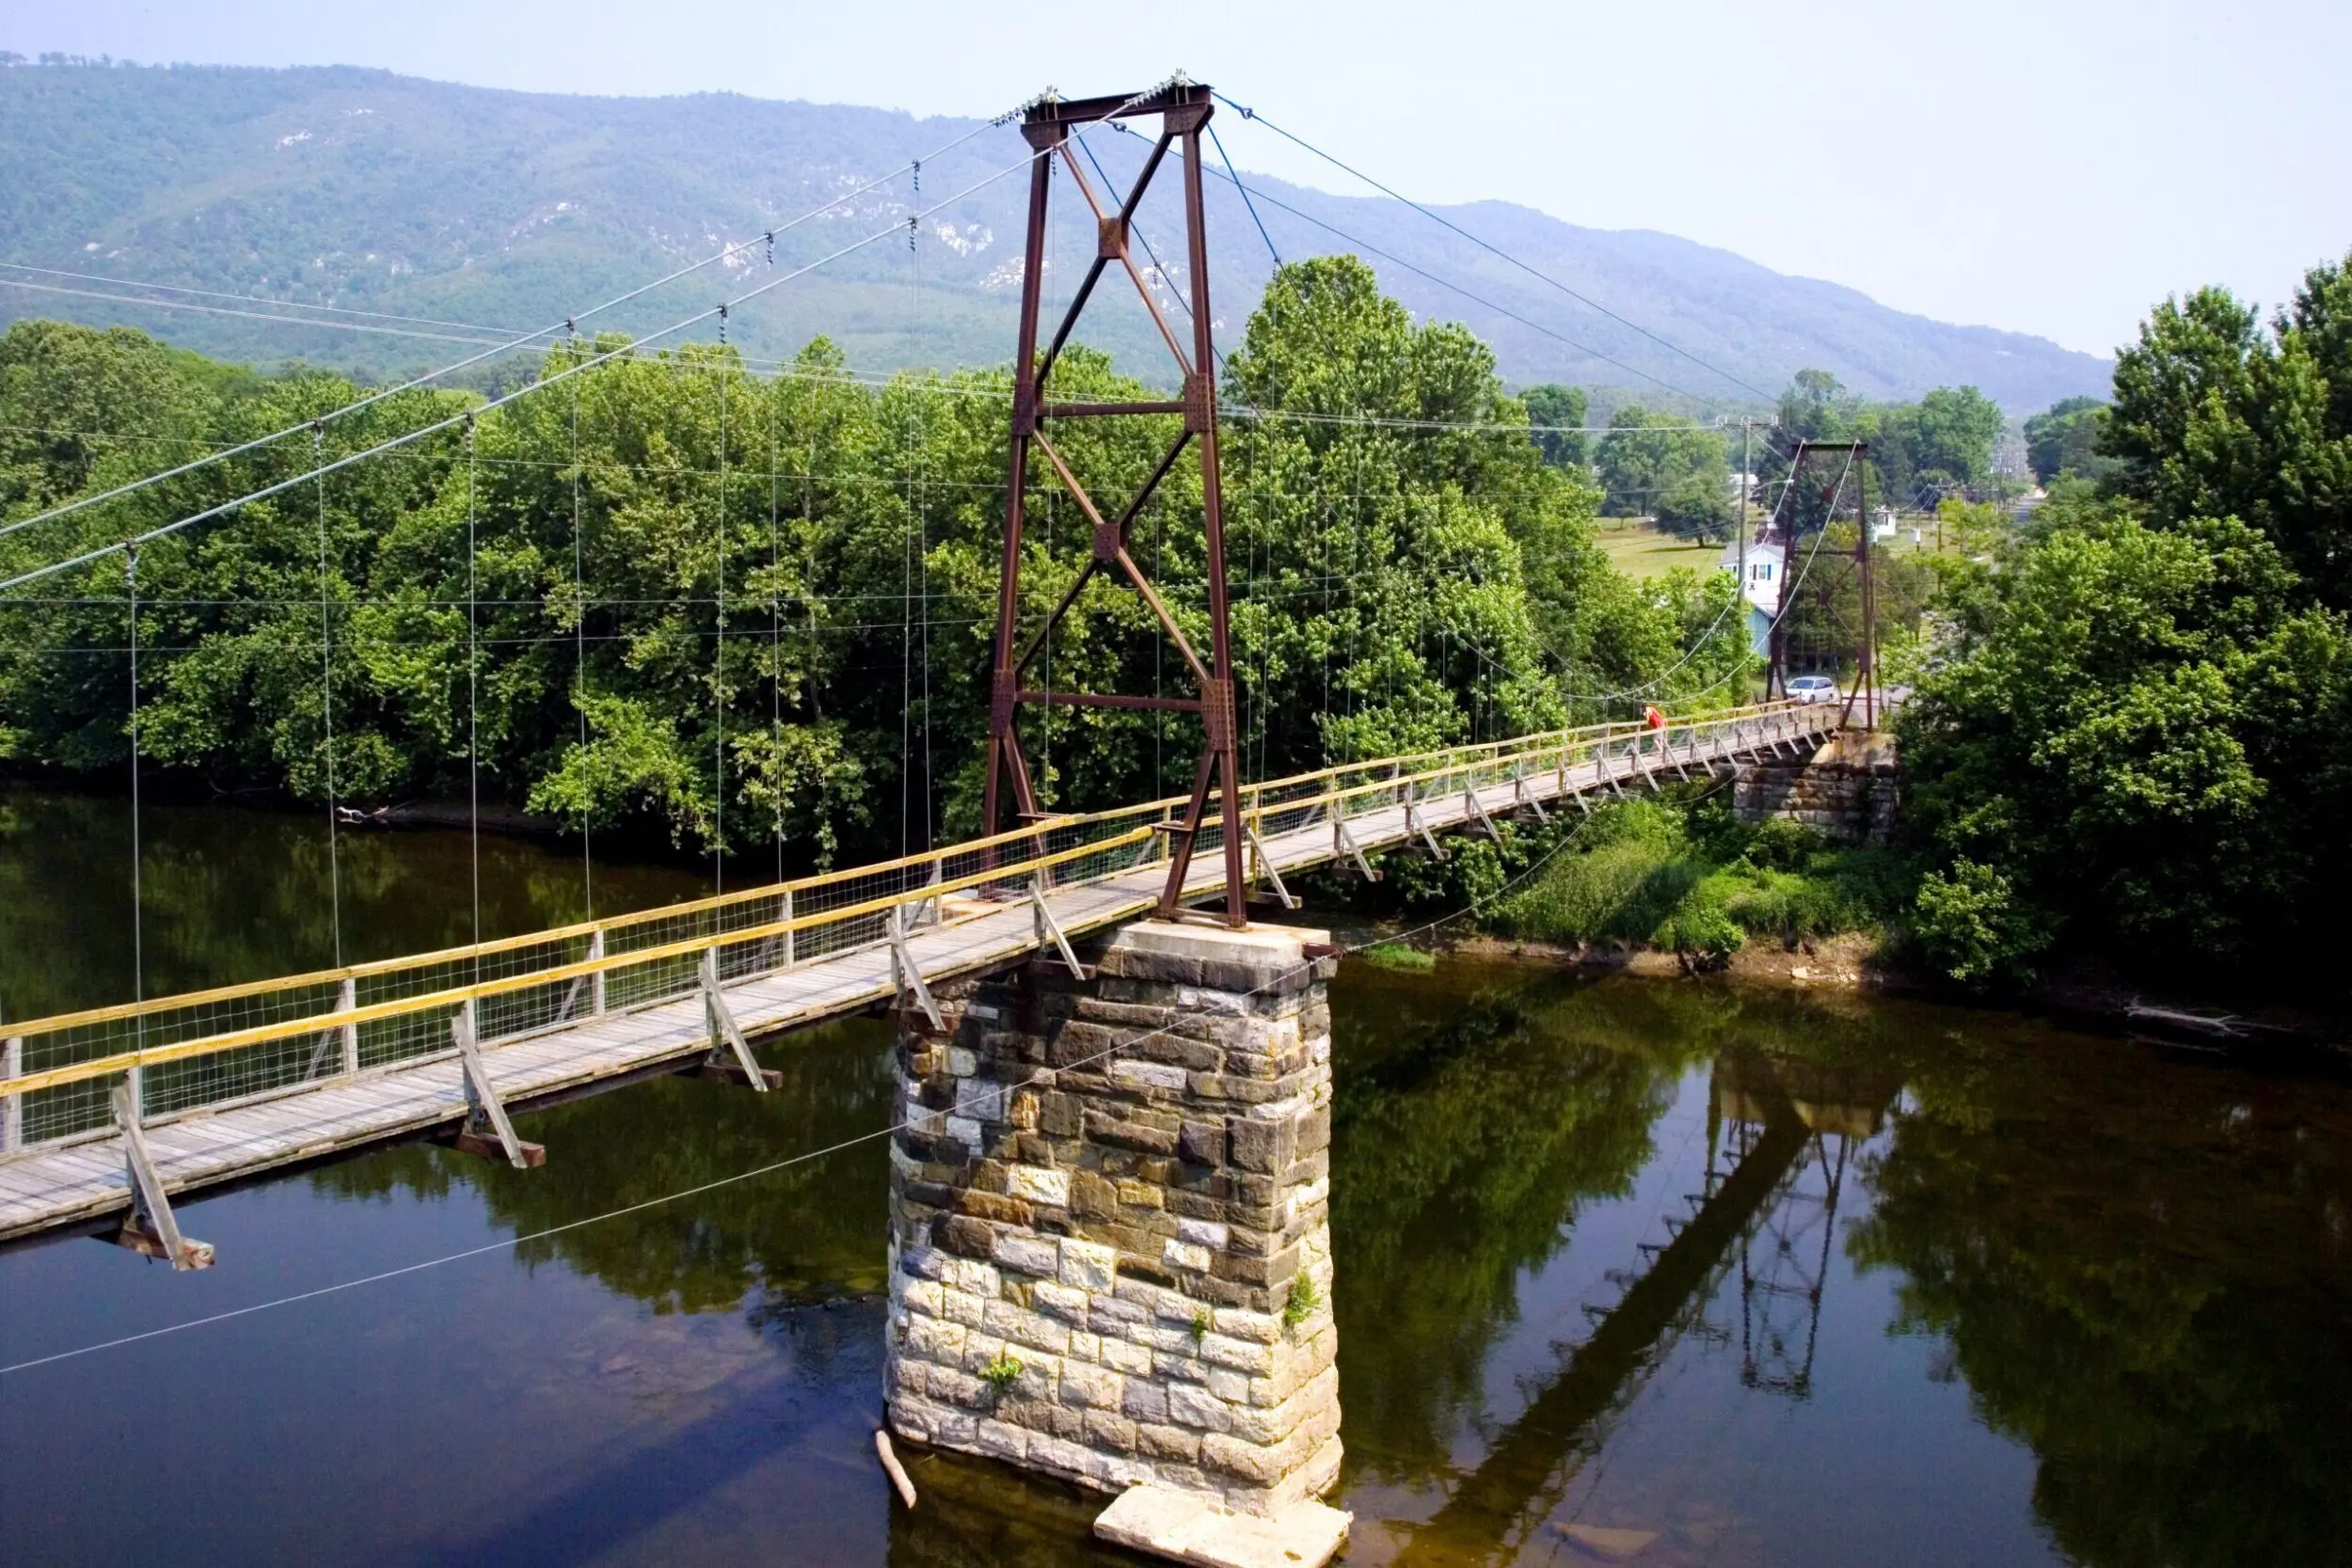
(1049, 929)
(1527, 801)
(730, 1055)
(1600, 761)
(1263, 865)
(1413, 824)
(487, 1130)
(1343, 844)
(906, 975)
(1478, 813)
(151, 1227)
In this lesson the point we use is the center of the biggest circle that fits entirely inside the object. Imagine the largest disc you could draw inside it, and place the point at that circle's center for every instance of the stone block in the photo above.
(1060, 1301)
(1241, 1355)
(1087, 1266)
(1143, 1401)
(1050, 1187)
(1108, 1429)
(1032, 1331)
(1123, 1132)
(1207, 1233)
(1002, 1440)
(989, 1205)
(1161, 1077)
(1191, 1404)
(1167, 1442)
(1184, 1254)
(1091, 1387)
(1263, 1328)
(935, 1338)
(965, 1236)
(1139, 1195)
(1029, 1255)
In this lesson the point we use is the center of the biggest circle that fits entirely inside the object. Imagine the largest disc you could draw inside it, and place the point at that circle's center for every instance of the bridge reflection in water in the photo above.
(2118, 1286)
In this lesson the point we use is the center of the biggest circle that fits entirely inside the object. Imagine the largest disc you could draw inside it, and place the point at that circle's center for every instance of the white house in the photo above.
(1767, 564)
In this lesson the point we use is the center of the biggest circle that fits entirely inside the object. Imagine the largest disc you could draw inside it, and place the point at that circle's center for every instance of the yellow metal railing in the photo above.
(209, 1048)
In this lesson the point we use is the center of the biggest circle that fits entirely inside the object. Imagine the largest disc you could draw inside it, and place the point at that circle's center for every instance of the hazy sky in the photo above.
(2049, 166)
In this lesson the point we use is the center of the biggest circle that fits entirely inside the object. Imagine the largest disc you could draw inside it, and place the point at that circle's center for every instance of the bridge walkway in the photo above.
(85, 1179)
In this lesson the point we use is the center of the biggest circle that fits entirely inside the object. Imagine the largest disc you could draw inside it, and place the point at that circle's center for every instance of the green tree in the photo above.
(2143, 743)
(2214, 415)
(1645, 454)
(2064, 440)
(1556, 405)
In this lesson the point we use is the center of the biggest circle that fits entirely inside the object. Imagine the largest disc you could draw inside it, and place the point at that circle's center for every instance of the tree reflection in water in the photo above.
(2144, 1273)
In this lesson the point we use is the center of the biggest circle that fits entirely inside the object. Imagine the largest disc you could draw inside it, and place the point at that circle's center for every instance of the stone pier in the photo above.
(1848, 790)
(1110, 1243)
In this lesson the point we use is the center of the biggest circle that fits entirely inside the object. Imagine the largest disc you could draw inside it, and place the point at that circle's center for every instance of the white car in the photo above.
(1813, 688)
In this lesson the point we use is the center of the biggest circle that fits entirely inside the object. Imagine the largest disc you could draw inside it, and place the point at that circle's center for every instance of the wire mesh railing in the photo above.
(204, 1050)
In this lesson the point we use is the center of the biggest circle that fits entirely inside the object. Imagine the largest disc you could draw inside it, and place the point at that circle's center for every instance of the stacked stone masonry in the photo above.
(1848, 791)
(1110, 1219)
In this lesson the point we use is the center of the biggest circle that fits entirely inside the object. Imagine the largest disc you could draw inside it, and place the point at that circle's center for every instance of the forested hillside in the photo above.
(470, 206)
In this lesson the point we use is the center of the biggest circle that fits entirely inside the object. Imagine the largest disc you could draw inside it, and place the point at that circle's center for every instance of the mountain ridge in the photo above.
(389, 193)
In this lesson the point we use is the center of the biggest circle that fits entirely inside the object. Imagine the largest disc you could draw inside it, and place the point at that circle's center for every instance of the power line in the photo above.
(768, 238)
(402, 440)
(1540, 277)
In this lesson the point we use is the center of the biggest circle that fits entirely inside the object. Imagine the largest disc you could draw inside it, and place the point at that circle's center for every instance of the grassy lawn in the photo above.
(1640, 550)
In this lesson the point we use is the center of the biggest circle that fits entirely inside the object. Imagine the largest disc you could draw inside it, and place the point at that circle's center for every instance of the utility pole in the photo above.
(1739, 586)
(1866, 675)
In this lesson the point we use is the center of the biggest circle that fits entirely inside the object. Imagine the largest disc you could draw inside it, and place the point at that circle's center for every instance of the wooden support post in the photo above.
(1414, 824)
(11, 1107)
(1344, 845)
(1263, 864)
(906, 975)
(1478, 813)
(1047, 929)
(487, 1131)
(730, 1058)
(347, 1000)
(596, 981)
(151, 1227)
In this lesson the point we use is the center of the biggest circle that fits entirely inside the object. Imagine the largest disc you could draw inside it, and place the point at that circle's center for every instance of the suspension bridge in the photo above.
(110, 1116)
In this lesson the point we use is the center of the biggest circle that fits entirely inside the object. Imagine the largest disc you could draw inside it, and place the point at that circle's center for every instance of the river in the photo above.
(1667, 1272)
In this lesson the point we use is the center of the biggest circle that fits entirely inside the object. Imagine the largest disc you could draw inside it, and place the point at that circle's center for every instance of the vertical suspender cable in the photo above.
(473, 717)
(775, 627)
(719, 658)
(326, 702)
(580, 646)
(138, 906)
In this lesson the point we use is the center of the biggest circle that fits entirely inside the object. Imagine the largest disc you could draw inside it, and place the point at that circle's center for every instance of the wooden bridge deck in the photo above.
(82, 1183)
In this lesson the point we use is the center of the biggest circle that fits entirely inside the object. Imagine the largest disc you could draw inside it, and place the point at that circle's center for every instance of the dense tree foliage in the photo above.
(1656, 464)
(739, 610)
(1554, 410)
(2215, 417)
(1919, 451)
(2144, 741)
(2064, 440)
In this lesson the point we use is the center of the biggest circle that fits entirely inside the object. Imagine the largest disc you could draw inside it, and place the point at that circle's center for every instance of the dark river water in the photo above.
(1627, 1271)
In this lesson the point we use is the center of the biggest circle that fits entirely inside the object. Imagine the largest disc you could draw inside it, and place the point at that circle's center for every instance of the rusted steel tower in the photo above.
(1183, 108)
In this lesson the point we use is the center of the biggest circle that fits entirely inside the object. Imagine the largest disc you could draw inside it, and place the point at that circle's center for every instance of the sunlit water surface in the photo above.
(1669, 1273)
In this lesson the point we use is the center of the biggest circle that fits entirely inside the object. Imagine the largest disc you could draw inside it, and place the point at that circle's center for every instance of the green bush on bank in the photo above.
(1692, 880)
